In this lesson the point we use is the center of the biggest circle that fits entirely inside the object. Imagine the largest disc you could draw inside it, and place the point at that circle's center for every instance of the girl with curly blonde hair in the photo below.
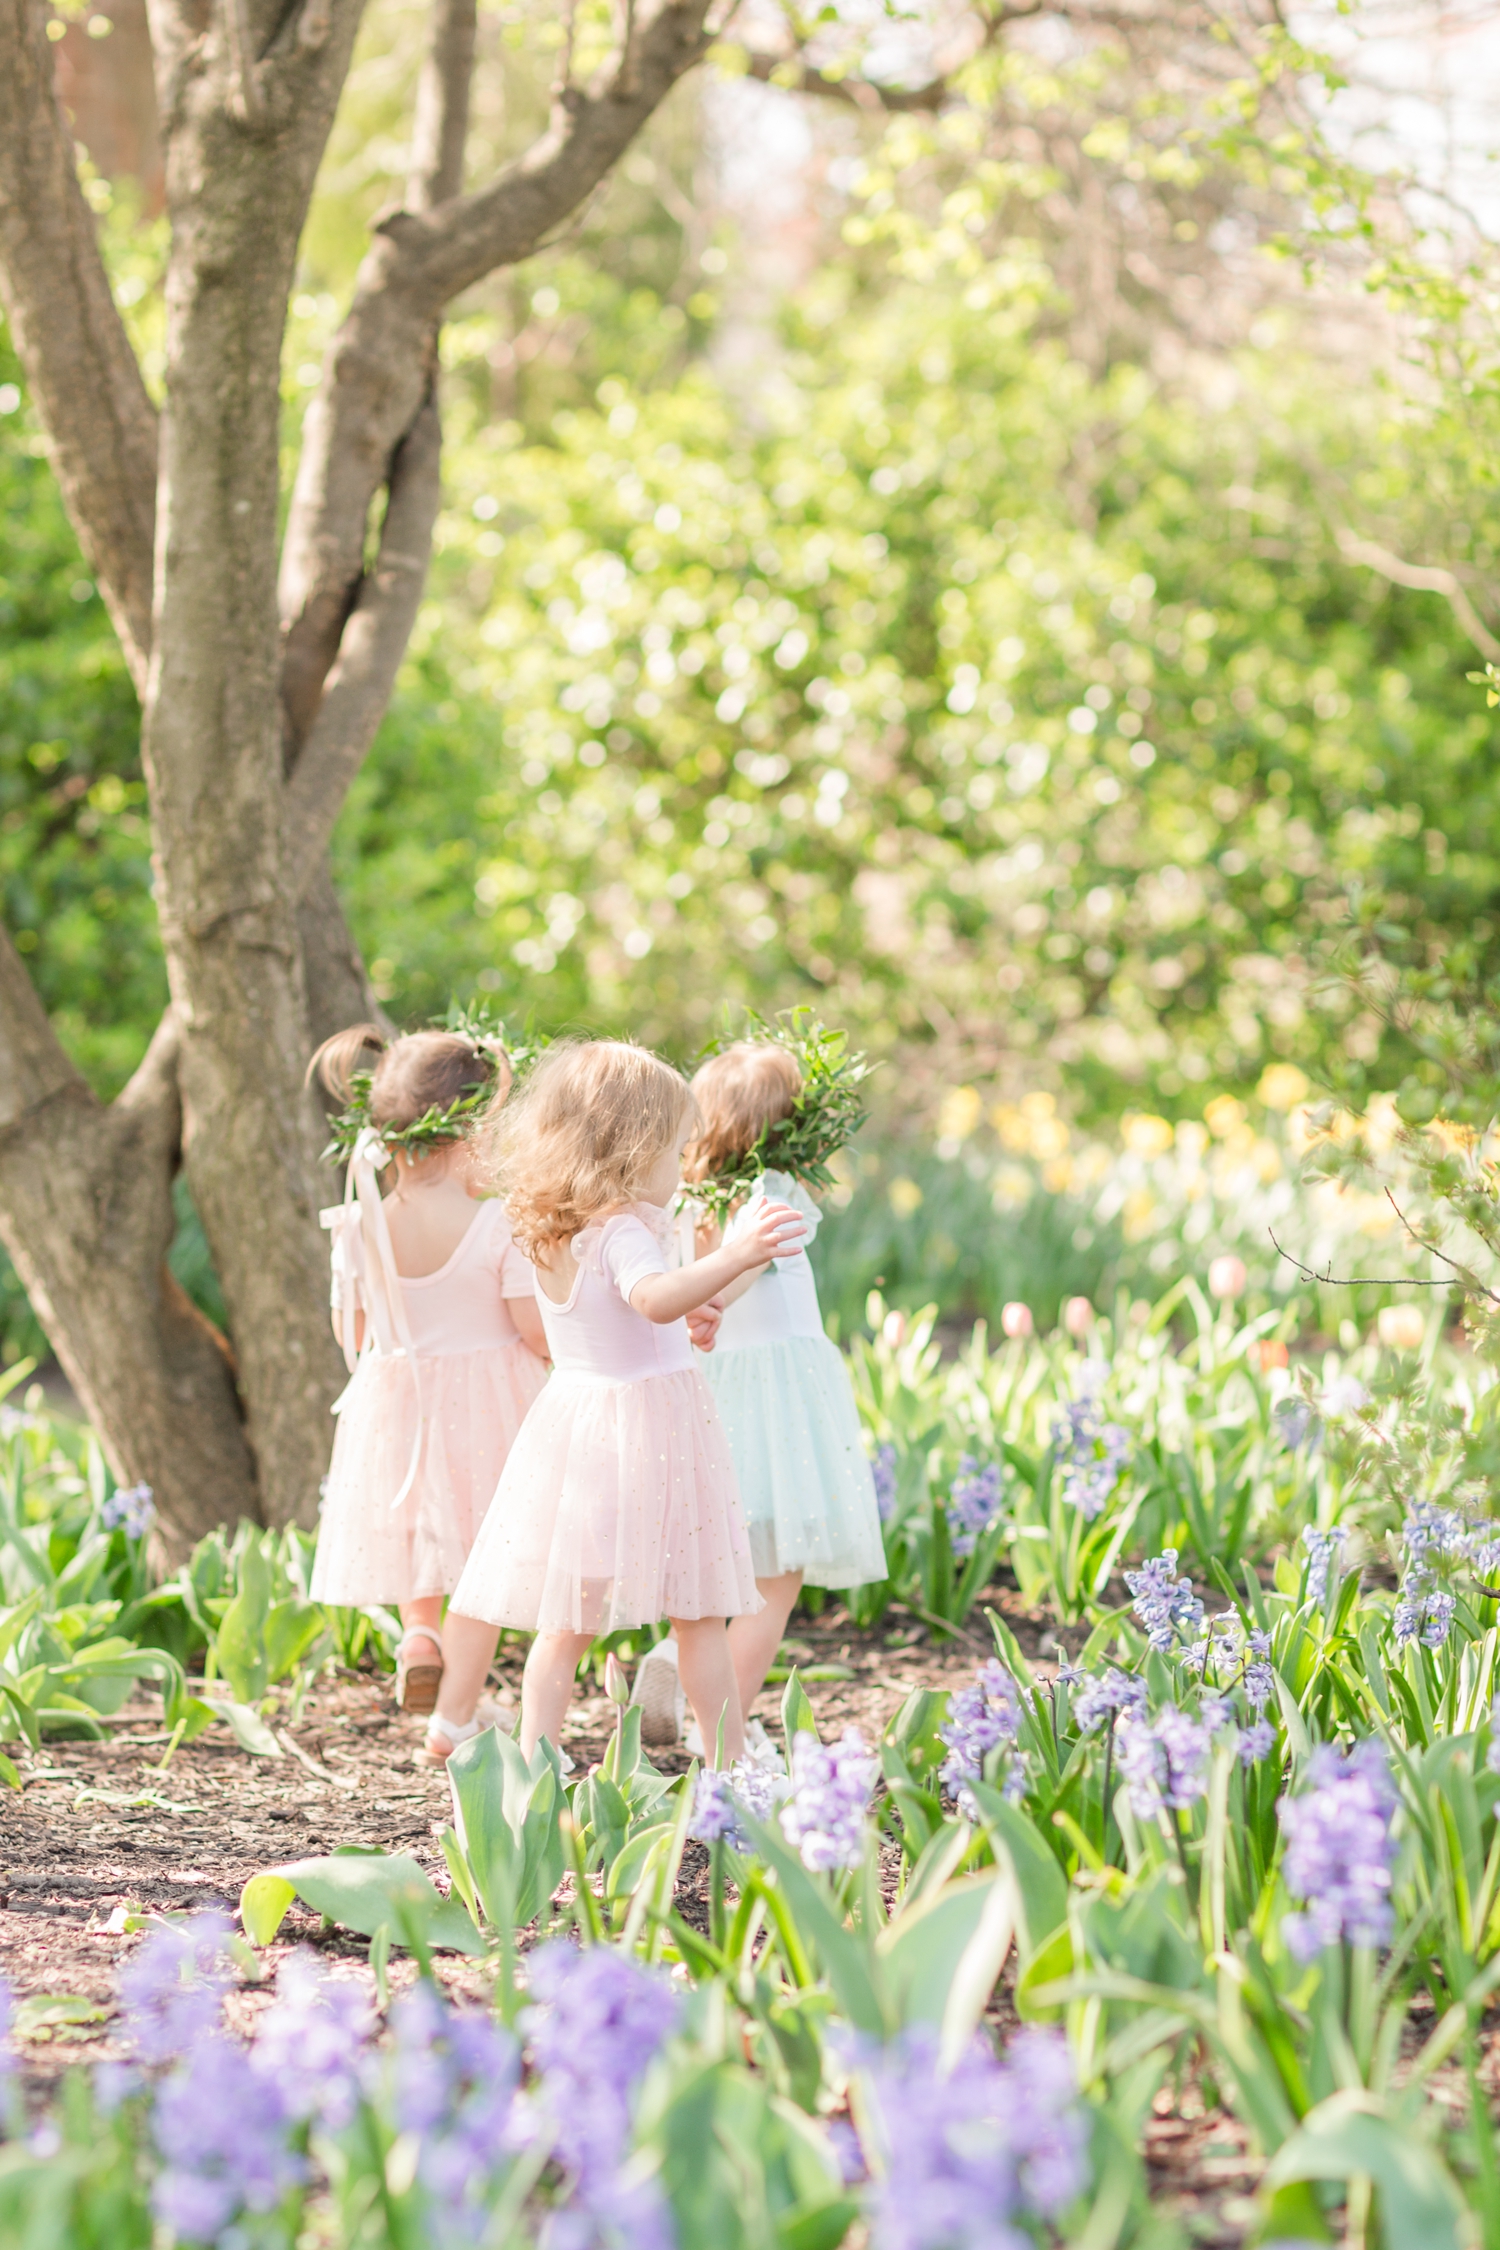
(618, 1505)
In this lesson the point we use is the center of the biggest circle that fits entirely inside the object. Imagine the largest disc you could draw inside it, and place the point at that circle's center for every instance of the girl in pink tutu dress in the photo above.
(436, 1311)
(618, 1505)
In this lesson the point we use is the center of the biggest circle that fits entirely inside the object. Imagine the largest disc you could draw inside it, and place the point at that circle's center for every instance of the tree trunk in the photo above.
(238, 181)
(86, 1209)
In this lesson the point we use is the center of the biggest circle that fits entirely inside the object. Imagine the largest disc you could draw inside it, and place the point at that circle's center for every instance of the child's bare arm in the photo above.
(526, 1313)
(777, 1233)
(707, 1240)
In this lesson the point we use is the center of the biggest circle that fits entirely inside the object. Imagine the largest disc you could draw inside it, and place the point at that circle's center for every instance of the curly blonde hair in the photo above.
(739, 1092)
(581, 1137)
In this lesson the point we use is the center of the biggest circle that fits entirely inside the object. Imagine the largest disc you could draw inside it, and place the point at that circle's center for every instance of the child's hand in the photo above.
(703, 1323)
(778, 1232)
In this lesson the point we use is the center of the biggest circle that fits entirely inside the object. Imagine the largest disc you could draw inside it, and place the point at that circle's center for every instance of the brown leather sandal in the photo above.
(417, 1684)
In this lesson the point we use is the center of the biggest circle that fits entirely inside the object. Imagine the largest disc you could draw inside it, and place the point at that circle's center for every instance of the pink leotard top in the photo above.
(595, 1333)
(461, 1307)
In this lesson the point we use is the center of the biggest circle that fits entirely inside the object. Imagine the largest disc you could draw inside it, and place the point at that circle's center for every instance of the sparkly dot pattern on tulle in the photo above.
(472, 1401)
(619, 1503)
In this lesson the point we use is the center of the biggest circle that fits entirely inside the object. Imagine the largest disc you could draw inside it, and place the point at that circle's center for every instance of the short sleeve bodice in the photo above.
(596, 1332)
(462, 1307)
(783, 1301)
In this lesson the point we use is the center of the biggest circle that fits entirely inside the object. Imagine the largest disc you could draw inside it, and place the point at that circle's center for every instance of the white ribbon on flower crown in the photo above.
(365, 1279)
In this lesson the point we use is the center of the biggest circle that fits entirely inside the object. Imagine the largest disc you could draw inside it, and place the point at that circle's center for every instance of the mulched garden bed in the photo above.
(99, 1834)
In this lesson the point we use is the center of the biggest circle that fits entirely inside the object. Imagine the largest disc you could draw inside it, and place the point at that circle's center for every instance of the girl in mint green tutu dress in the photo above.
(780, 1385)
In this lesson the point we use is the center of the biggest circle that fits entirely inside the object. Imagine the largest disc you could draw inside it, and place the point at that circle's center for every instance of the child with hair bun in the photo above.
(780, 1385)
(436, 1312)
(618, 1504)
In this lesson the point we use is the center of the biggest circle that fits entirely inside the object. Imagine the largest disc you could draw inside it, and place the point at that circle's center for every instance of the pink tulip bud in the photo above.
(1271, 1352)
(1078, 1316)
(616, 1681)
(893, 1328)
(1227, 1278)
(1016, 1320)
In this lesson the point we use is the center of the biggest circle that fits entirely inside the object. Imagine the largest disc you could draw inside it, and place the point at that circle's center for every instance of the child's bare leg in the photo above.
(707, 1670)
(753, 1641)
(425, 1615)
(419, 1659)
(468, 1649)
(547, 1686)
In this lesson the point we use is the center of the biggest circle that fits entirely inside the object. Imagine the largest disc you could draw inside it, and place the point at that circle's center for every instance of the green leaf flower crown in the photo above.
(484, 1029)
(826, 1115)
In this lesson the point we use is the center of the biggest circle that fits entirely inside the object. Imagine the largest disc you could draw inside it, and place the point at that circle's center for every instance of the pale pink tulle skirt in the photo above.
(473, 1403)
(618, 1506)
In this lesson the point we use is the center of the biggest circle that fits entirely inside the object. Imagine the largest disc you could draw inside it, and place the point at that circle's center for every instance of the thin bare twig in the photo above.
(1333, 1280)
(1328, 1279)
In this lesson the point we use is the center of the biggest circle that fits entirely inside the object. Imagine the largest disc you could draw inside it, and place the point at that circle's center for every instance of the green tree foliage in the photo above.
(74, 850)
(1001, 712)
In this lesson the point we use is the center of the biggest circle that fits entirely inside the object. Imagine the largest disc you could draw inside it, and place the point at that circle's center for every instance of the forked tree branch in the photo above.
(379, 371)
(68, 333)
(370, 652)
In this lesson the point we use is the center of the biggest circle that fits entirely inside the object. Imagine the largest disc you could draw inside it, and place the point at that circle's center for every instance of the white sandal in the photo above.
(417, 1685)
(444, 1736)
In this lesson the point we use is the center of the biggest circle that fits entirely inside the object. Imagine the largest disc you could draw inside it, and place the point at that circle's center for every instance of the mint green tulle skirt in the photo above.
(799, 1454)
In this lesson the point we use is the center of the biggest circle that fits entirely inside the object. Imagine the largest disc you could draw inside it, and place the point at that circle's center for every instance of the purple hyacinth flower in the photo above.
(831, 1787)
(597, 2022)
(223, 2132)
(1424, 1612)
(883, 1469)
(310, 2041)
(1102, 1696)
(1092, 1455)
(1323, 1549)
(1164, 1761)
(1166, 1608)
(974, 1502)
(965, 2159)
(983, 1718)
(715, 1813)
(453, 2078)
(131, 1509)
(601, 2023)
(1339, 1850)
(1257, 1742)
(721, 1800)
(171, 1992)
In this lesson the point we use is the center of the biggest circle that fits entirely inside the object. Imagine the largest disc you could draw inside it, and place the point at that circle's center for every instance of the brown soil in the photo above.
(100, 1834)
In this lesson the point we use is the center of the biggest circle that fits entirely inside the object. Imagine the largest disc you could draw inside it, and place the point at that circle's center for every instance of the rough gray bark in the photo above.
(86, 1207)
(252, 730)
